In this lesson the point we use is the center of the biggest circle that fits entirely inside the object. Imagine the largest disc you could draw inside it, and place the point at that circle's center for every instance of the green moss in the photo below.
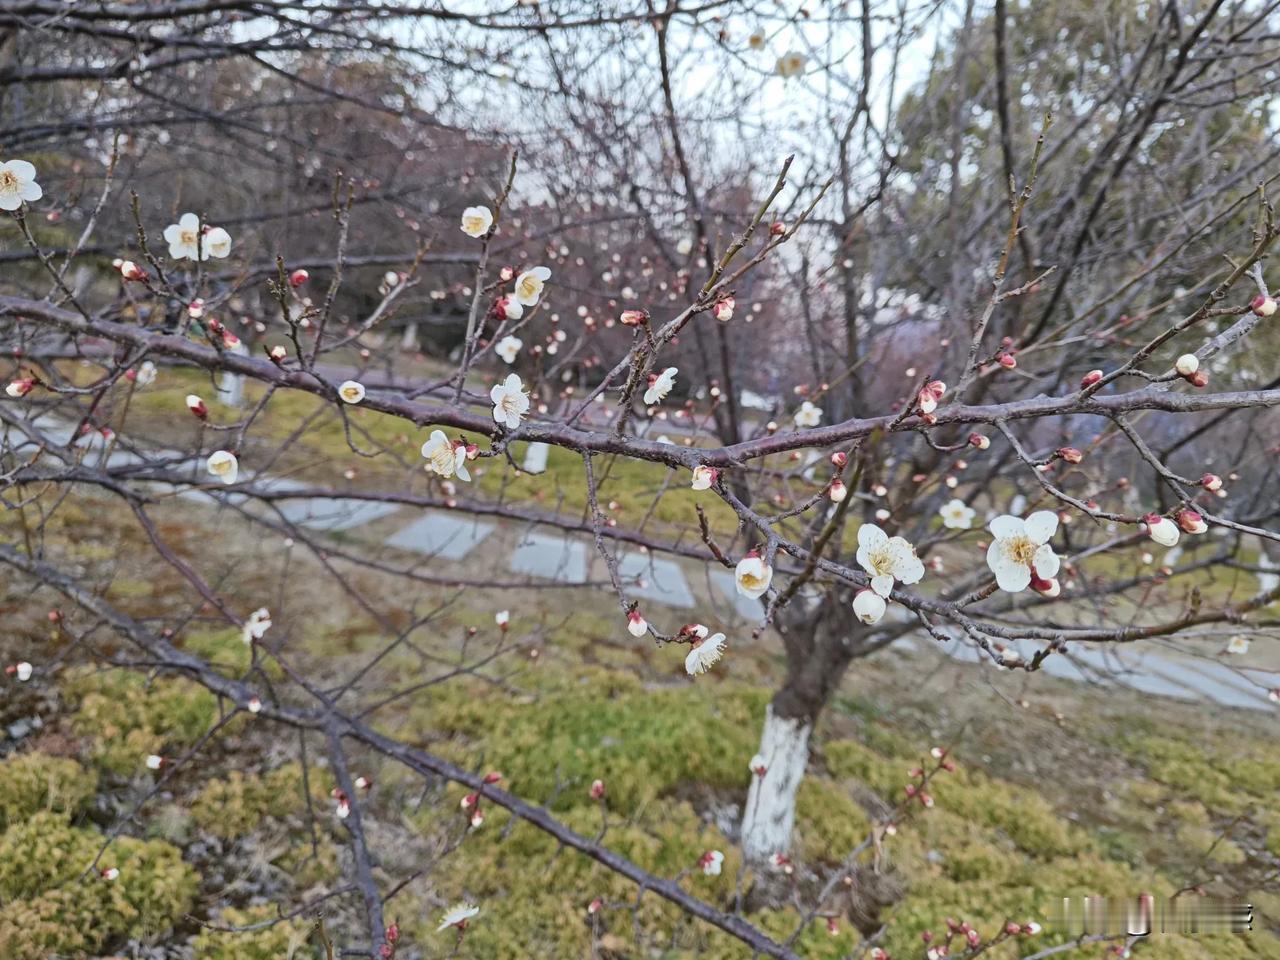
(642, 743)
(125, 717)
(226, 652)
(50, 906)
(31, 782)
(282, 940)
(236, 804)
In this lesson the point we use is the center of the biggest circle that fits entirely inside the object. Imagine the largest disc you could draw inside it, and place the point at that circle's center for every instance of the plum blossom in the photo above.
(510, 402)
(1021, 551)
(18, 184)
(1187, 365)
(930, 395)
(956, 515)
(506, 308)
(791, 64)
(146, 374)
(1238, 644)
(758, 765)
(508, 348)
(20, 387)
(723, 309)
(457, 916)
(256, 626)
(637, 626)
(660, 385)
(351, 391)
(837, 491)
(1191, 521)
(597, 789)
(887, 559)
(704, 654)
(704, 477)
(188, 240)
(223, 465)
(444, 457)
(155, 762)
(476, 221)
(1161, 529)
(752, 576)
(20, 671)
(868, 606)
(808, 415)
(529, 286)
(711, 862)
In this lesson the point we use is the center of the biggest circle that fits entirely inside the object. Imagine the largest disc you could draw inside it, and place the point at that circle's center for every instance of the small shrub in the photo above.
(30, 782)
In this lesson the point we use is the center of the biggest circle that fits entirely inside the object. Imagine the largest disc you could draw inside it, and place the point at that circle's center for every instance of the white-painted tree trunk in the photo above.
(770, 815)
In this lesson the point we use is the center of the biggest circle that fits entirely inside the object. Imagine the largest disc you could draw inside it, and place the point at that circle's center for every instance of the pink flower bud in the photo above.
(393, 933)
(594, 906)
(597, 789)
(723, 310)
(469, 801)
(1012, 928)
(1070, 454)
(277, 354)
(837, 491)
(492, 777)
(633, 318)
(298, 278)
(778, 228)
(1007, 361)
(839, 459)
(979, 440)
(1191, 522)
(1198, 379)
(20, 387)
(1090, 378)
(972, 936)
(131, 271)
(1262, 305)
(197, 407)
(1211, 482)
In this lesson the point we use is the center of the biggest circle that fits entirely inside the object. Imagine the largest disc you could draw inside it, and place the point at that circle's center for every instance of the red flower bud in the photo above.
(1007, 361)
(1070, 454)
(298, 278)
(839, 459)
(1090, 378)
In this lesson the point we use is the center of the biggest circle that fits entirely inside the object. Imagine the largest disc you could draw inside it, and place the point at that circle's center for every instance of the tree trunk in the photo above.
(771, 802)
(820, 642)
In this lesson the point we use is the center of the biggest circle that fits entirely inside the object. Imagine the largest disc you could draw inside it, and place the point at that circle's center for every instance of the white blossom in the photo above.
(704, 477)
(508, 348)
(529, 286)
(476, 221)
(351, 391)
(444, 457)
(711, 862)
(223, 465)
(704, 654)
(256, 626)
(868, 606)
(189, 241)
(956, 515)
(1021, 551)
(510, 402)
(791, 64)
(18, 184)
(887, 559)
(660, 385)
(752, 576)
(808, 415)
(457, 916)
(1161, 529)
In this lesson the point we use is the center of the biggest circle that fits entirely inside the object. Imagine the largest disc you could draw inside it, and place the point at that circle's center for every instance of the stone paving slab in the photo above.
(655, 579)
(551, 558)
(441, 535)
(727, 587)
(333, 515)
